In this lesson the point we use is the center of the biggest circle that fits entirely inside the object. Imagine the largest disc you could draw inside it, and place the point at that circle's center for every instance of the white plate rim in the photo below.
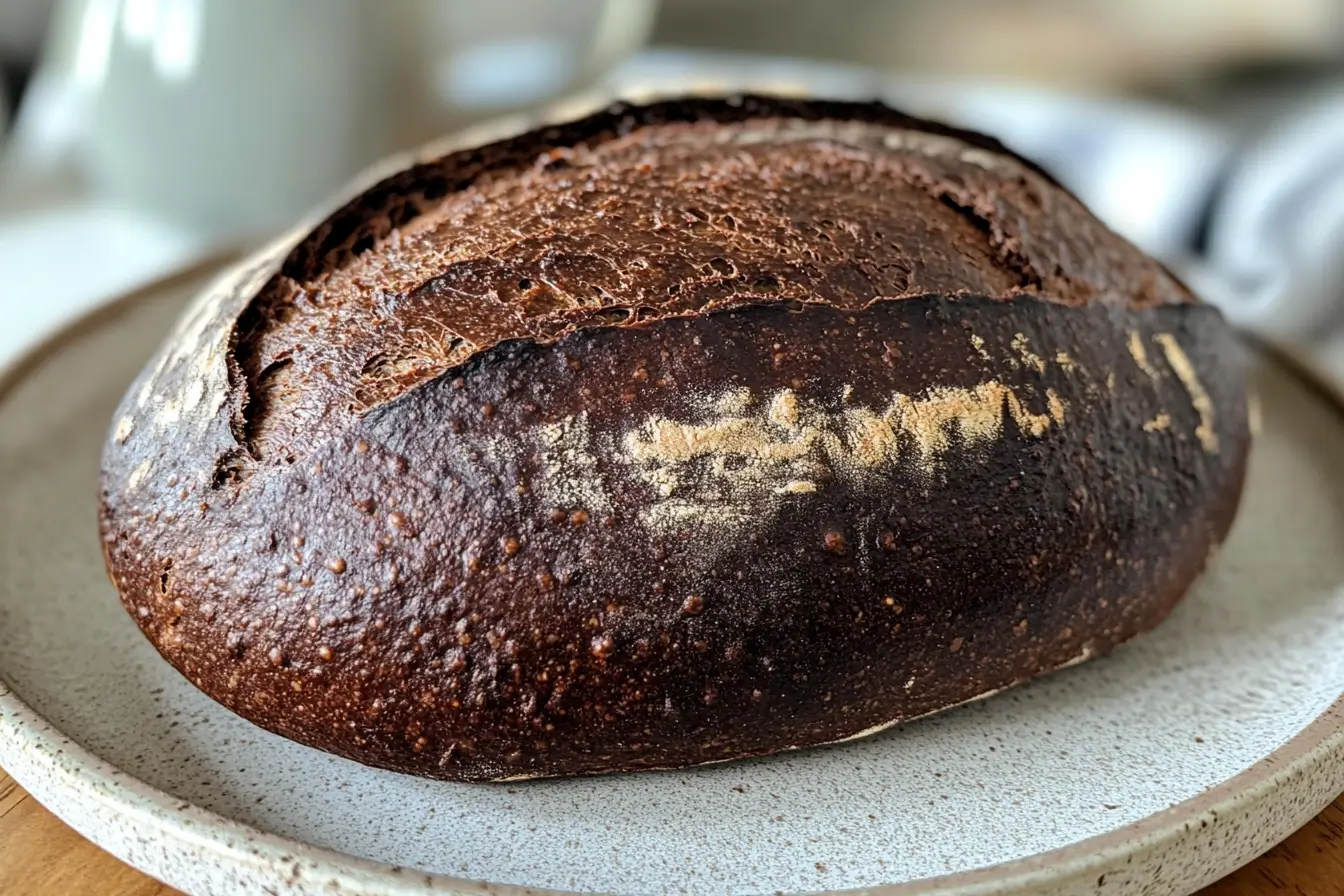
(1305, 775)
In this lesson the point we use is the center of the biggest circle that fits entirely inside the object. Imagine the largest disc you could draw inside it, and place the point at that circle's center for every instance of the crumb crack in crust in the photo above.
(660, 211)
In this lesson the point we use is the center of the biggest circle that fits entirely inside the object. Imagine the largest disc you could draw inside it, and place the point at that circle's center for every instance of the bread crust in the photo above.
(799, 499)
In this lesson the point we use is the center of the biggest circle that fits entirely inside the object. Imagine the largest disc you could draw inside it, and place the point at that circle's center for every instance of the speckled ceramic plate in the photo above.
(1152, 771)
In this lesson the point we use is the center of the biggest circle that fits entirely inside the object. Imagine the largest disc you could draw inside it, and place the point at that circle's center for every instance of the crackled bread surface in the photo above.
(677, 434)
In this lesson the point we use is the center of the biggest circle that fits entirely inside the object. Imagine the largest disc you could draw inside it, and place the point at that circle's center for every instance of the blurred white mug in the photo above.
(230, 116)
(233, 117)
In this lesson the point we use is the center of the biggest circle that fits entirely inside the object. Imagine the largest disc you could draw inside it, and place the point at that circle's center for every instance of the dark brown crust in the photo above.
(708, 534)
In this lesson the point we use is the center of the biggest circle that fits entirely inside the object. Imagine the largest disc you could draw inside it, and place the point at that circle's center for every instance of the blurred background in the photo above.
(141, 134)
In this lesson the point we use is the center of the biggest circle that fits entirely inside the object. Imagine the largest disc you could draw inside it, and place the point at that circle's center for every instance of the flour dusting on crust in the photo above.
(1199, 398)
(1023, 348)
(733, 470)
(1139, 352)
(568, 476)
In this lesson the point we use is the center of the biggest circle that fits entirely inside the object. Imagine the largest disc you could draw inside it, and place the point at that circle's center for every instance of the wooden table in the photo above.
(40, 856)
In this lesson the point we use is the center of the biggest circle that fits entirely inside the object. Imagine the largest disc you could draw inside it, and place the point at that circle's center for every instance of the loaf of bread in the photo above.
(676, 434)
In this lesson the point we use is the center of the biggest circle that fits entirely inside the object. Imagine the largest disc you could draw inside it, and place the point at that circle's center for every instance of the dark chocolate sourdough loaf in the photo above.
(680, 433)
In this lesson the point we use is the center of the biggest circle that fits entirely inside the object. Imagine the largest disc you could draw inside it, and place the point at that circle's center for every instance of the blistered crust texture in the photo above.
(679, 434)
